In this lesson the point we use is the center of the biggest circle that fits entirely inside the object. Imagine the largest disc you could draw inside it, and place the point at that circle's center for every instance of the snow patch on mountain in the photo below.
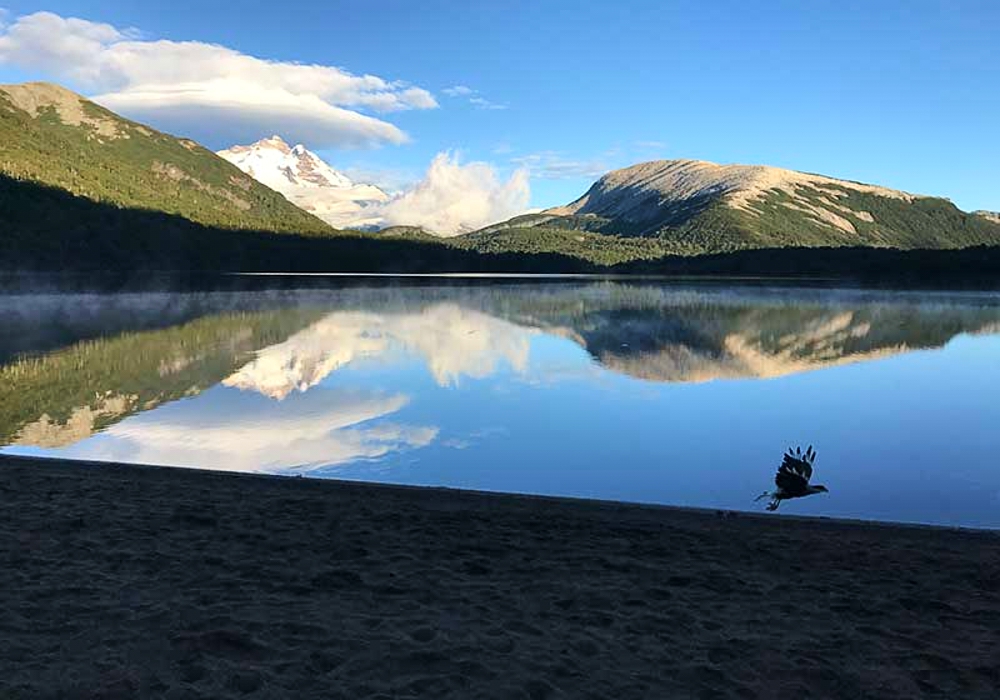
(308, 182)
(452, 198)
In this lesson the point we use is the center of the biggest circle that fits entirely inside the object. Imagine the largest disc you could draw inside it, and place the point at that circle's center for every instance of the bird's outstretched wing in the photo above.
(795, 470)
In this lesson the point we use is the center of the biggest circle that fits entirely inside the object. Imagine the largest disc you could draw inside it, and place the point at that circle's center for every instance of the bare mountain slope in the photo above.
(638, 193)
(692, 207)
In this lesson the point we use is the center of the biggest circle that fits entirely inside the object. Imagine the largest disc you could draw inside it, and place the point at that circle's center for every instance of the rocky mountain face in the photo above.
(53, 138)
(691, 207)
(646, 192)
(993, 216)
(308, 182)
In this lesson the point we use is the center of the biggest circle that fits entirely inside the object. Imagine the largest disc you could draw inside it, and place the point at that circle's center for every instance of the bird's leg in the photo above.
(766, 494)
(773, 505)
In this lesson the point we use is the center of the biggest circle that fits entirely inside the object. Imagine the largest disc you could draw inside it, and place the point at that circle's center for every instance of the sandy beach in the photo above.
(122, 582)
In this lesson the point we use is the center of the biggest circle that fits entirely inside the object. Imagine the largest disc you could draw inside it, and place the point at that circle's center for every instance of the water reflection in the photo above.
(320, 429)
(59, 398)
(650, 333)
(451, 340)
(494, 387)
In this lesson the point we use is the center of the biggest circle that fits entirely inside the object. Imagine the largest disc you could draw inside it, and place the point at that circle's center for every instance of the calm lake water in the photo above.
(641, 392)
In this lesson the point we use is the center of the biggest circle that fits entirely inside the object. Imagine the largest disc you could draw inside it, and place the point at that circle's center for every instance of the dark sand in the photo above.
(144, 582)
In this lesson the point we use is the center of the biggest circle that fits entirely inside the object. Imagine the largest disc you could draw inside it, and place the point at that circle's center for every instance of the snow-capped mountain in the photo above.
(308, 182)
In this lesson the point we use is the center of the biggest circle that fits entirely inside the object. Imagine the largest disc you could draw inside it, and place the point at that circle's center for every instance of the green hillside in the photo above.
(82, 189)
(687, 208)
(595, 248)
(52, 136)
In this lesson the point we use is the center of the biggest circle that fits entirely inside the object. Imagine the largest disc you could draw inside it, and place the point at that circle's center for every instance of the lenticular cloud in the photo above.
(209, 92)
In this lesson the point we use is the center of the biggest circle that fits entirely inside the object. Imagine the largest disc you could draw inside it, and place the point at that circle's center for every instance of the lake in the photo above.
(637, 391)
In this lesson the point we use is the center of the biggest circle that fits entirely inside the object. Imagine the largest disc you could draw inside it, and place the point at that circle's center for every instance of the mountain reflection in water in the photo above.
(317, 380)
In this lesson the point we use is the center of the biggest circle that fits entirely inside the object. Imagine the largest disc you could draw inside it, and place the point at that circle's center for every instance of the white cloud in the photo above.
(392, 180)
(454, 198)
(459, 91)
(474, 98)
(554, 165)
(483, 103)
(210, 92)
(551, 165)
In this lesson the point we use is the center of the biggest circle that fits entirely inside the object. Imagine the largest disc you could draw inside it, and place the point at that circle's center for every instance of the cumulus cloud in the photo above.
(207, 91)
(454, 198)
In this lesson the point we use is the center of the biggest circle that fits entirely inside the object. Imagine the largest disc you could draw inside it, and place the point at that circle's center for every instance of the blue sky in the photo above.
(905, 94)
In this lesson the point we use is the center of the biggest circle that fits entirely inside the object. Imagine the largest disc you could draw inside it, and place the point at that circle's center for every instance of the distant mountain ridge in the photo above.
(307, 181)
(690, 207)
(54, 137)
(642, 192)
(82, 188)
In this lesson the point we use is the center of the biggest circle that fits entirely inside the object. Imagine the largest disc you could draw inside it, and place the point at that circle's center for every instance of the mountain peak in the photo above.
(40, 87)
(691, 207)
(275, 142)
(93, 162)
(276, 164)
(642, 192)
(306, 180)
(72, 109)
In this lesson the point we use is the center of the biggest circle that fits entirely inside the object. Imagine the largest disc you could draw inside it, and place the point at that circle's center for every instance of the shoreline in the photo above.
(97, 281)
(145, 581)
(512, 496)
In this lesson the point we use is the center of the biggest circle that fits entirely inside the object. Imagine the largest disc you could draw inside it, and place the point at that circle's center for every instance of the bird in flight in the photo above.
(793, 477)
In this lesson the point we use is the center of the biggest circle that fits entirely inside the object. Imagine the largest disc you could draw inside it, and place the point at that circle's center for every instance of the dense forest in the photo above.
(45, 229)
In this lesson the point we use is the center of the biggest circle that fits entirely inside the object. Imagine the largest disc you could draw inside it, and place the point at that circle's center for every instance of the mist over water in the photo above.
(645, 392)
